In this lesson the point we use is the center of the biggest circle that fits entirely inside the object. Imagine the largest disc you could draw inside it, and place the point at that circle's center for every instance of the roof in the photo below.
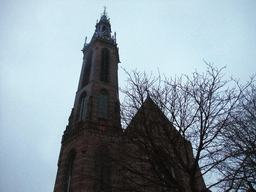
(149, 113)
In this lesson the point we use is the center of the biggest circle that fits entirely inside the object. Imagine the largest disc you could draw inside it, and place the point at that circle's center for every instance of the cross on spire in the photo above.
(105, 13)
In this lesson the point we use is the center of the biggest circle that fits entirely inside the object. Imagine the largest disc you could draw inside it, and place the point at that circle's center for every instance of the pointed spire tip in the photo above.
(104, 12)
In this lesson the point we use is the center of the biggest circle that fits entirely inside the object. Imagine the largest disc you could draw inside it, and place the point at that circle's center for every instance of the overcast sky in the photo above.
(40, 63)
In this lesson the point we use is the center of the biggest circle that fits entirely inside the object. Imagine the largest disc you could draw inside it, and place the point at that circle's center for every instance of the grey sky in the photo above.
(40, 62)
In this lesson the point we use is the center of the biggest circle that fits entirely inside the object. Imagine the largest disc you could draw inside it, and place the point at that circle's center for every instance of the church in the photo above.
(98, 155)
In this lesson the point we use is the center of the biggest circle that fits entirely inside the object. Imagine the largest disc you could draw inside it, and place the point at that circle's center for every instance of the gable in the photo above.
(150, 115)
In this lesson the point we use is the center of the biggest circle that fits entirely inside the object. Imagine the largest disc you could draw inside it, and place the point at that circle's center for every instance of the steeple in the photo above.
(97, 99)
(103, 30)
(95, 114)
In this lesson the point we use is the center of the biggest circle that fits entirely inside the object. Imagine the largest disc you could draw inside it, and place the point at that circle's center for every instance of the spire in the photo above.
(103, 29)
(104, 16)
(104, 12)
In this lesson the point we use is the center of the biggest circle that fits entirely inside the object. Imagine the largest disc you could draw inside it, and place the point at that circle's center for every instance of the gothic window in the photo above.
(83, 106)
(70, 170)
(103, 104)
(102, 169)
(87, 69)
(104, 65)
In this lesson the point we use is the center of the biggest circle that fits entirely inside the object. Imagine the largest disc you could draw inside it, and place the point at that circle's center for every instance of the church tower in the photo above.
(94, 117)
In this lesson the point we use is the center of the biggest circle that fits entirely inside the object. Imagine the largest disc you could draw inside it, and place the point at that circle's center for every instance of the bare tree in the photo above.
(173, 126)
(239, 170)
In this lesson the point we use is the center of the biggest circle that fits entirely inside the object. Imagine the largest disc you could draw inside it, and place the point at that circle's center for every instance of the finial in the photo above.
(105, 13)
(85, 44)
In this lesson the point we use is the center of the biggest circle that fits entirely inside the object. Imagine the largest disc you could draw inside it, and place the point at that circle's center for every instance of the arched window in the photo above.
(103, 104)
(70, 170)
(87, 69)
(102, 169)
(83, 107)
(103, 28)
(104, 65)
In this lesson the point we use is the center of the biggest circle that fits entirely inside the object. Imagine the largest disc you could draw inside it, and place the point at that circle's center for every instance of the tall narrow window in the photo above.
(87, 69)
(70, 171)
(102, 169)
(103, 104)
(83, 106)
(104, 65)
